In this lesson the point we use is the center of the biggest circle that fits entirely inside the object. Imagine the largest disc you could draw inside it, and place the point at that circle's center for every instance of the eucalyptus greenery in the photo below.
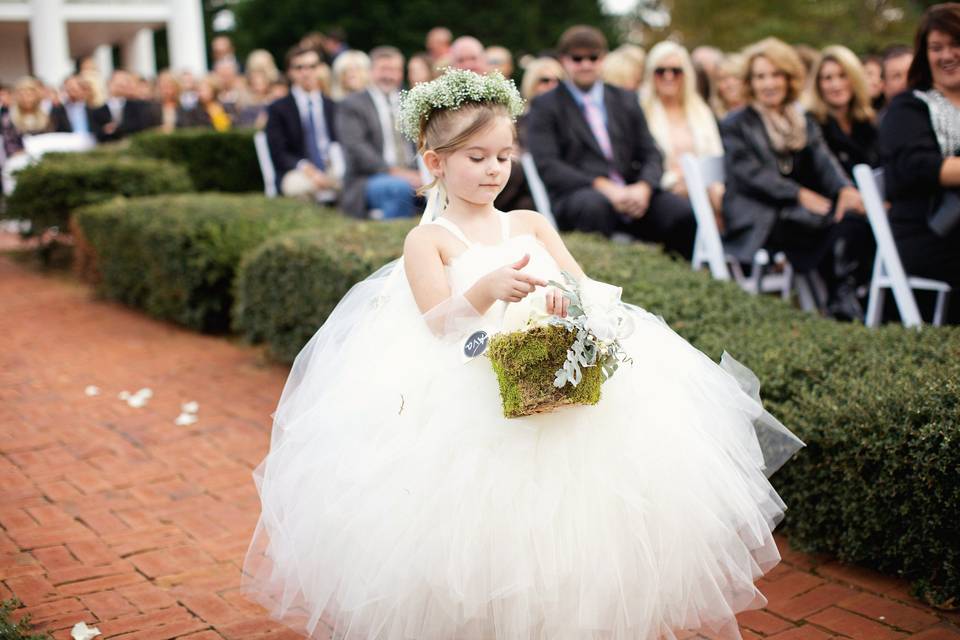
(452, 90)
(587, 350)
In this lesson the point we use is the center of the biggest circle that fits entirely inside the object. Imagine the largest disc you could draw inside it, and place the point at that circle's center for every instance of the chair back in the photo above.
(37, 145)
(266, 164)
(537, 189)
(887, 264)
(699, 173)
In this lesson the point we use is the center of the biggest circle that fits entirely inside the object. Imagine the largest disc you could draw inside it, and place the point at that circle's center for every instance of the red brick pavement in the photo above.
(116, 517)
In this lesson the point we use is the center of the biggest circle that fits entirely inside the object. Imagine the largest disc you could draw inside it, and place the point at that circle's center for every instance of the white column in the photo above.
(138, 54)
(103, 56)
(49, 47)
(185, 37)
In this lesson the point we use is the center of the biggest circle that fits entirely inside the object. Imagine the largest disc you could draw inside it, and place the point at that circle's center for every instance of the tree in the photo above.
(528, 27)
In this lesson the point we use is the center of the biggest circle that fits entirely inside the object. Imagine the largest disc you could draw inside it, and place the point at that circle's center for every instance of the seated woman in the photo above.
(541, 75)
(351, 73)
(679, 119)
(26, 112)
(726, 91)
(785, 191)
(621, 69)
(168, 98)
(919, 145)
(840, 101)
(209, 112)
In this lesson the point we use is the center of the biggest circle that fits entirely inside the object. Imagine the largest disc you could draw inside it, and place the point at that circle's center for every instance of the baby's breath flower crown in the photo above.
(452, 90)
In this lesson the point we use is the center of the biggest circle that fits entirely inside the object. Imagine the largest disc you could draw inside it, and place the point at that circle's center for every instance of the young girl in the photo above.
(399, 503)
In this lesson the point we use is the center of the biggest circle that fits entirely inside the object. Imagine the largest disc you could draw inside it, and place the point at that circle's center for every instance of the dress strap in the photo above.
(454, 229)
(504, 225)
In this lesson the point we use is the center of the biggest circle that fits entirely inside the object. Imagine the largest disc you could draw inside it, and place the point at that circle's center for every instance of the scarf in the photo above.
(945, 119)
(786, 129)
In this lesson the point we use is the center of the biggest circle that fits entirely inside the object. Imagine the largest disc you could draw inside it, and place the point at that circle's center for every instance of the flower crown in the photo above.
(452, 90)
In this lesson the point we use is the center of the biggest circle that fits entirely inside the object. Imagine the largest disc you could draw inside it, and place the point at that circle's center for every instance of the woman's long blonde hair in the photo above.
(784, 58)
(860, 108)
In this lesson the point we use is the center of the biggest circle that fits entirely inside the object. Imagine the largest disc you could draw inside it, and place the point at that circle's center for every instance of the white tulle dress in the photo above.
(399, 503)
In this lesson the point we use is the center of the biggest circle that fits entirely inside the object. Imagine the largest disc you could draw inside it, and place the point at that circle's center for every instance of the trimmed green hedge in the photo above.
(176, 256)
(288, 286)
(47, 192)
(879, 481)
(215, 161)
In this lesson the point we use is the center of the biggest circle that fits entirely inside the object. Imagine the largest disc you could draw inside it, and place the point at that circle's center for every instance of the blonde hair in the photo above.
(860, 108)
(621, 70)
(262, 60)
(534, 70)
(732, 64)
(36, 121)
(346, 60)
(689, 97)
(783, 57)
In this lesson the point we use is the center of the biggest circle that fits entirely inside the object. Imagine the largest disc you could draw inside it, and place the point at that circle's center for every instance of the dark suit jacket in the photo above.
(285, 133)
(566, 152)
(137, 116)
(757, 194)
(358, 125)
(95, 120)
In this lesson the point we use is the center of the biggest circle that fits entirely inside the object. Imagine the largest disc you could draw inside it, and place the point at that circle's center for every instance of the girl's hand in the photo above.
(509, 284)
(557, 303)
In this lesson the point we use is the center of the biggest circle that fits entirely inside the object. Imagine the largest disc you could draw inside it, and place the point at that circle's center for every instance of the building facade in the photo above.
(46, 38)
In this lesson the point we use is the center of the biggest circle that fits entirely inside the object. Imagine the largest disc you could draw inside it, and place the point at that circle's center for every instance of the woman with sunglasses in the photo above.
(679, 119)
(539, 76)
(785, 190)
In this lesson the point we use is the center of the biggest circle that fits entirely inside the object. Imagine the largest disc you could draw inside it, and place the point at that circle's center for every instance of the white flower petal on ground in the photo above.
(145, 393)
(136, 401)
(91, 390)
(190, 407)
(124, 395)
(185, 419)
(81, 631)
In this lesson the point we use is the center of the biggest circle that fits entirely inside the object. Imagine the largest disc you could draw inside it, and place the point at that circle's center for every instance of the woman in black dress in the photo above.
(919, 145)
(785, 191)
(840, 101)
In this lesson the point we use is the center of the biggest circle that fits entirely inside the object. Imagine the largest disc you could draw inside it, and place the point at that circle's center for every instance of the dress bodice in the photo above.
(479, 259)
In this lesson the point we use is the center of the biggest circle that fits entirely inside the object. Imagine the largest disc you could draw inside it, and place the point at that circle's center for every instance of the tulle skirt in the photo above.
(399, 503)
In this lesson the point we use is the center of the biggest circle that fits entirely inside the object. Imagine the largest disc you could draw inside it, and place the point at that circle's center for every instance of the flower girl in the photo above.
(399, 502)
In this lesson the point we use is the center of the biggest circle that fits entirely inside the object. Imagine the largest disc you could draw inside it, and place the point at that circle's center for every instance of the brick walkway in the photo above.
(117, 517)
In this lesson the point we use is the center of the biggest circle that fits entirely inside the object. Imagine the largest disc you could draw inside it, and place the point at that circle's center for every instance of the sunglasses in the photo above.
(547, 80)
(593, 57)
(304, 67)
(662, 71)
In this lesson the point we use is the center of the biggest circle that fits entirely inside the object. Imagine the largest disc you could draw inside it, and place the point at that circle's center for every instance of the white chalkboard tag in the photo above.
(476, 344)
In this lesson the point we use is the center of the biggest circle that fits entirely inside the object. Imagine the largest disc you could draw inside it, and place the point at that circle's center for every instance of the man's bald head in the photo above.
(467, 52)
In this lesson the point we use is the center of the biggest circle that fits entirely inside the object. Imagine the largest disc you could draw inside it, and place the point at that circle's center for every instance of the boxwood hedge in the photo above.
(176, 255)
(48, 191)
(215, 161)
(879, 481)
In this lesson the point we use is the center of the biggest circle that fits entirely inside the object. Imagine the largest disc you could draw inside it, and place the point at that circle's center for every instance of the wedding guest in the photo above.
(896, 63)
(261, 61)
(540, 76)
(26, 112)
(188, 89)
(784, 189)
(123, 113)
(919, 145)
(6, 96)
(231, 87)
(381, 172)
(596, 156)
(705, 60)
(873, 68)
(221, 49)
(840, 101)
(351, 73)
(438, 46)
(467, 52)
(300, 129)
(620, 70)
(258, 98)
(334, 43)
(11, 142)
(90, 72)
(76, 114)
(635, 53)
(679, 119)
(501, 59)
(419, 69)
(168, 96)
(728, 90)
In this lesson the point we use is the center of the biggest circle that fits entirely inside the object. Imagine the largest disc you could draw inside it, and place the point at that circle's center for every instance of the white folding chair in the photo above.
(537, 189)
(266, 164)
(425, 176)
(42, 143)
(888, 271)
(708, 250)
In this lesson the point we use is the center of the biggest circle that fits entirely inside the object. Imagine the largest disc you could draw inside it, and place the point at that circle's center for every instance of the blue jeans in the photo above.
(390, 194)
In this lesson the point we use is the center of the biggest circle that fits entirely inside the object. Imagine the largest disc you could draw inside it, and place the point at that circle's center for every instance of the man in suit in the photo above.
(74, 114)
(381, 163)
(300, 130)
(123, 113)
(596, 156)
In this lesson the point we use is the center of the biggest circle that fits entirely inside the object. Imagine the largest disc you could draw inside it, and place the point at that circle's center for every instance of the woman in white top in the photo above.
(679, 119)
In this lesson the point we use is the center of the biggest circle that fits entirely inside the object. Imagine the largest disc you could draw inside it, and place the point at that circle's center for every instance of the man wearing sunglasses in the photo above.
(300, 131)
(596, 156)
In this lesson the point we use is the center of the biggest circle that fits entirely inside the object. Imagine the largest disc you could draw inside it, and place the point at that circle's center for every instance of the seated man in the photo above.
(300, 131)
(381, 164)
(123, 114)
(74, 114)
(596, 156)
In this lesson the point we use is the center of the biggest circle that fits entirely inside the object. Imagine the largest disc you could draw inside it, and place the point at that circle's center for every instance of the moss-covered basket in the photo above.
(526, 363)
